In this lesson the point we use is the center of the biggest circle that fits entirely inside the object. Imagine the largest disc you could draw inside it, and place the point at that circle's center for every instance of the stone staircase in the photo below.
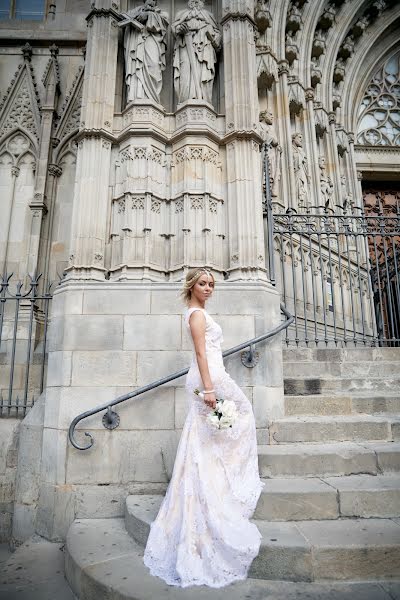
(330, 510)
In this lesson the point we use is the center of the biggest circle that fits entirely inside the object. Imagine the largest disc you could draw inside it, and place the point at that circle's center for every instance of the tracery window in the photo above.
(379, 111)
(30, 10)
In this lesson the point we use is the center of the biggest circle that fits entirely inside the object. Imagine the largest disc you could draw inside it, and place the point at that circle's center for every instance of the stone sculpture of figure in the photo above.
(144, 46)
(197, 39)
(274, 149)
(325, 184)
(301, 172)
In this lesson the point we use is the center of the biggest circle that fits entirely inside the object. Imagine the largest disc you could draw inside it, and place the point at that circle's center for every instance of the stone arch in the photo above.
(381, 106)
(353, 94)
(355, 63)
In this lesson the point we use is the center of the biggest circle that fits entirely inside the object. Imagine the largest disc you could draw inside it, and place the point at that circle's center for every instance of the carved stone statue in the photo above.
(274, 149)
(301, 172)
(144, 46)
(325, 184)
(197, 39)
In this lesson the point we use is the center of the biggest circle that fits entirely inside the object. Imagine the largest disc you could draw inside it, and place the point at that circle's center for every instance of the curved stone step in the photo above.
(297, 499)
(304, 386)
(103, 561)
(329, 368)
(324, 460)
(304, 550)
(336, 428)
(349, 354)
(345, 404)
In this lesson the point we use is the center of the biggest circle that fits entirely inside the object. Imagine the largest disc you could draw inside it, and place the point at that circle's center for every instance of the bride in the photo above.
(202, 534)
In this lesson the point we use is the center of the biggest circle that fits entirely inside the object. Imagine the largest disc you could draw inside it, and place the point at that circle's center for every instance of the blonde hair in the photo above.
(191, 278)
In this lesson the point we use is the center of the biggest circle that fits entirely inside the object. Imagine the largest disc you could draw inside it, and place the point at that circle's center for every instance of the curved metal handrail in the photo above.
(111, 418)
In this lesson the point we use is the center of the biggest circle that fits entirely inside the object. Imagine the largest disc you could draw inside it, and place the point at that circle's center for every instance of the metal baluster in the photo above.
(396, 271)
(34, 284)
(294, 290)
(361, 292)
(333, 291)
(370, 289)
(46, 315)
(322, 288)
(351, 289)
(341, 292)
(305, 291)
(313, 293)
(11, 384)
(378, 280)
(284, 286)
(388, 286)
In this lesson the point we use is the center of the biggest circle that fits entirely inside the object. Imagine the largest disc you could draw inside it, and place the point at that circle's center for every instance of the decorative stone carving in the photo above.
(144, 46)
(21, 111)
(262, 16)
(326, 184)
(197, 40)
(379, 120)
(301, 172)
(270, 140)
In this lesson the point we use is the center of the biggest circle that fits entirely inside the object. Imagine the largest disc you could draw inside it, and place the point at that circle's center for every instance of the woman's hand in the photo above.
(210, 399)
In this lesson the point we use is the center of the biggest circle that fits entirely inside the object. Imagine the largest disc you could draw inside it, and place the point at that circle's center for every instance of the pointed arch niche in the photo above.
(17, 178)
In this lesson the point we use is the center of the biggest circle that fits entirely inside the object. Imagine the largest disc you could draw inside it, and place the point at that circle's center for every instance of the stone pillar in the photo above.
(334, 160)
(38, 205)
(289, 184)
(91, 197)
(312, 146)
(244, 191)
(7, 218)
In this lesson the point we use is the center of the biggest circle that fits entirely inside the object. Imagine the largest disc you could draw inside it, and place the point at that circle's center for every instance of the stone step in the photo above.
(325, 460)
(297, 499)
(103, 561)
(304, 386)
(331, 404)
(304, 550)
(347, 369)
(358, 355)
(337, 428)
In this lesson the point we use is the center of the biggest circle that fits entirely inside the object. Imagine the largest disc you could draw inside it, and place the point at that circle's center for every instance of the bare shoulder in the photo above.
(197, 319)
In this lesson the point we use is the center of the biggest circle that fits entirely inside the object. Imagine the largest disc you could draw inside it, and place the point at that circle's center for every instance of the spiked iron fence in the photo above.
(24, 315)
(338, 274)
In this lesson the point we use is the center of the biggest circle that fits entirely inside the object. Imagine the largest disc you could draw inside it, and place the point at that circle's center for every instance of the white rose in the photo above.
(225, 422)
(228, 409)
(213, 420)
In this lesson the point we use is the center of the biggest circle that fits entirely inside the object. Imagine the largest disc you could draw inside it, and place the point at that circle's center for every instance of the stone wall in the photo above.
(9, 430)
(108, 339)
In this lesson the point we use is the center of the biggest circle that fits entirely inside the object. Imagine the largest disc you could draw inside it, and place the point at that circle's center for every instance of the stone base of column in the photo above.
(109, 338)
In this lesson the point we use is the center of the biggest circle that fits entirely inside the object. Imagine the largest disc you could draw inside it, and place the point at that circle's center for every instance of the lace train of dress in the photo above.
(202, 534)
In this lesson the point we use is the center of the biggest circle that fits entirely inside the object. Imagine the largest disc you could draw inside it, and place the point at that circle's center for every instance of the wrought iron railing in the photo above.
(23, 352)
(111, 419)
(339, 274)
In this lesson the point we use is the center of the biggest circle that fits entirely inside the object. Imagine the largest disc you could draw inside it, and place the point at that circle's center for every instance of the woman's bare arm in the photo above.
(197, 323)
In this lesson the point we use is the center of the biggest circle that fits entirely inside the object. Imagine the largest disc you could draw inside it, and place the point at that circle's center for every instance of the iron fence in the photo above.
(24, 316)
(338, 274)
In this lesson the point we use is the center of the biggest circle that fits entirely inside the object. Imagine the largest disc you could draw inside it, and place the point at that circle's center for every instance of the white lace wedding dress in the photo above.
(202, 534)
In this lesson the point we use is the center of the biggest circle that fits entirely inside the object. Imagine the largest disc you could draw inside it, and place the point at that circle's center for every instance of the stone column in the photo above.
(289, 185)
(334, 160)
(244, 199)
(38, 205)
(7, 218)
(91, 196)
(312, 145)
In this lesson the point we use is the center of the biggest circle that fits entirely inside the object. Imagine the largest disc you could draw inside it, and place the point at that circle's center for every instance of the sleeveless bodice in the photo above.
(213, 337)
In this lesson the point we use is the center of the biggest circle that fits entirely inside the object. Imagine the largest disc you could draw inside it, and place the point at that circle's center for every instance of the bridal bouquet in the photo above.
(224, 413)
